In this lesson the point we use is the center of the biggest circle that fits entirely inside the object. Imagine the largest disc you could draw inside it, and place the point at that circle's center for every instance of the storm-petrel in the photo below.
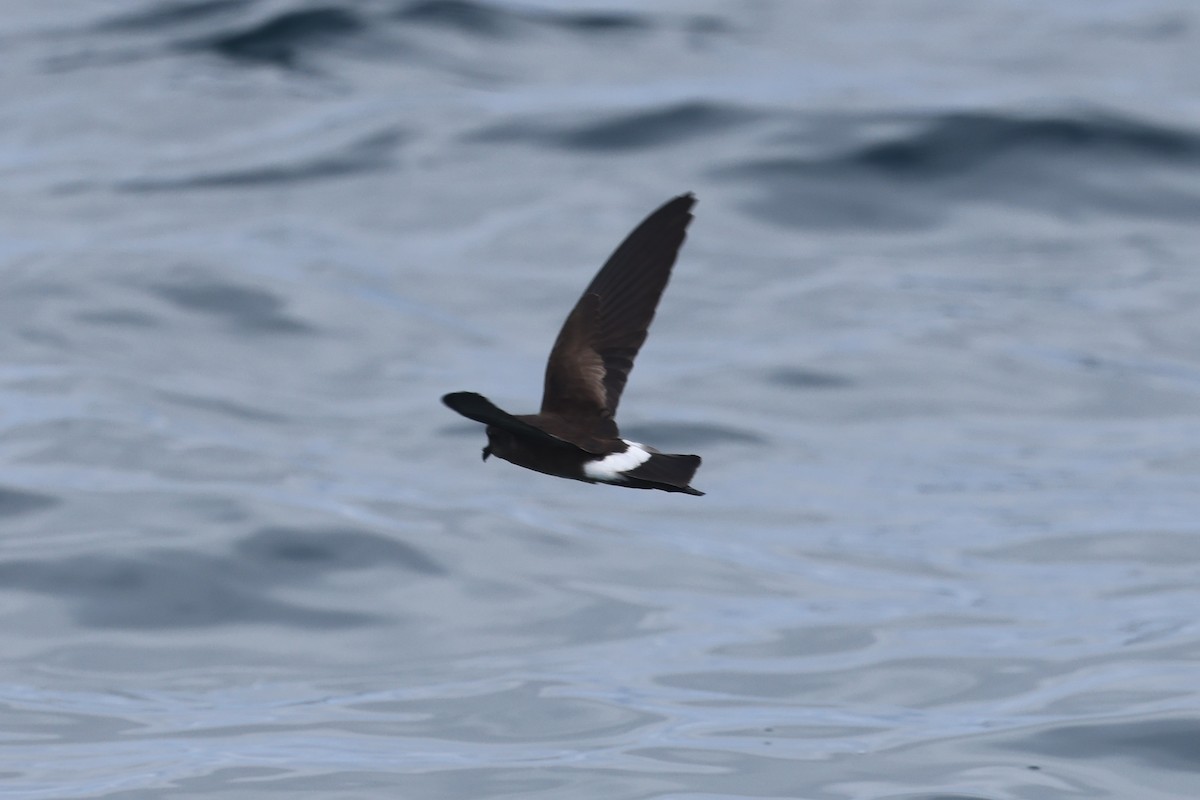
(575, 434)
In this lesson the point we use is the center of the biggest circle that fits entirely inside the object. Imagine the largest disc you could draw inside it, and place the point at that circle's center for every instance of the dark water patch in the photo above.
(50, 724)
(599, 620)
(658, 127)
(706, 26)
(1161, 744)
(684, 434)
(367, 155)
(215, 509)
(1166, 26)
(16, 502)
(589, 22)
(478, 19)
(1125, 547)
(300, 553)
(224, 408)
(172, 588)
(44, 336)
(117, 318)
(243, 307)
(165, 589)
(485, 19)
(640, 130)
(957, 142)
(86, 60)
(285, 38)
(808, 379)
(801, 193)
(913, 682)
(804, 641)
(170, 15)
(1065, 166)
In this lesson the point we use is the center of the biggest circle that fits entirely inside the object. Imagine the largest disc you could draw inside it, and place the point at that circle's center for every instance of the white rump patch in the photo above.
(612, 468)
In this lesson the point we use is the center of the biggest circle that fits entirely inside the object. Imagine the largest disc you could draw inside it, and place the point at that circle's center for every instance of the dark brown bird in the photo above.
(575, 434)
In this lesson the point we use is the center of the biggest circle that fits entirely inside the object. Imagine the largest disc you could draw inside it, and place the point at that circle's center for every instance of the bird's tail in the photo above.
(670, 472)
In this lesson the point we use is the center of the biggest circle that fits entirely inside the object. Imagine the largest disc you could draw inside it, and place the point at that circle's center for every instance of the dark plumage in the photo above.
(575, 434)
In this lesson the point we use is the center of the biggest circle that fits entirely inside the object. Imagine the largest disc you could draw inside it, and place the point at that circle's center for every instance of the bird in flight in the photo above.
(575, 434)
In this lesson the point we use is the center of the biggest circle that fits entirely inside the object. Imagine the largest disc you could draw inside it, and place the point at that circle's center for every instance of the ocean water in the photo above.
(935, 332)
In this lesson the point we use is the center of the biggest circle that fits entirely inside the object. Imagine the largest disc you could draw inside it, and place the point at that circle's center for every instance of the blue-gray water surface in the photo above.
(935, 331)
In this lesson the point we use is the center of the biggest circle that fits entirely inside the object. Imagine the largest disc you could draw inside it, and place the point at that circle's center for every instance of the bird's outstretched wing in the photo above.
(595, 349)
(479, 408)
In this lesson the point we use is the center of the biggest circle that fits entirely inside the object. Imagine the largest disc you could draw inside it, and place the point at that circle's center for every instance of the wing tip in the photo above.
(452, 399)
(685, 201)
